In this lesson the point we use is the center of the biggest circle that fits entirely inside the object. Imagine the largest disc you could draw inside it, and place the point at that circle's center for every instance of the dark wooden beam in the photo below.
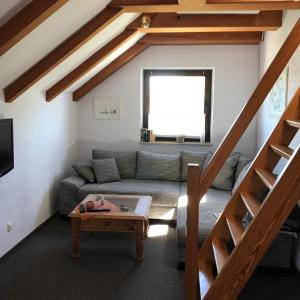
(172, 22)
(200, 5)
(25, 21)
(89, 64)
(60, 53)
(203, 38)
(123, 59)
(208, 38)
(121, 3)
(247, 1)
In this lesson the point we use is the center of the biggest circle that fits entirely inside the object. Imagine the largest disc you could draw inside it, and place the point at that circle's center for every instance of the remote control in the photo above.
(98, 209)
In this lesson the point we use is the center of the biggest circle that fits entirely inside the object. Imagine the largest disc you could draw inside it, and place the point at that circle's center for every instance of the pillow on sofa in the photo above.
(242, 162)
(155, 166)
(126, 161)
(224, 180)
(191, 157)
(106, 170)
(85, 171)
(241, 177)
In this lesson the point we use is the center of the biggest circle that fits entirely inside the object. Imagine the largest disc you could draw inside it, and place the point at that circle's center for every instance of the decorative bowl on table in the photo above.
(90, 204)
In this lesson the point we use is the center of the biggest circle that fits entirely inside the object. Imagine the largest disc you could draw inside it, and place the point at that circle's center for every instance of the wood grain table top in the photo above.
(138, 207)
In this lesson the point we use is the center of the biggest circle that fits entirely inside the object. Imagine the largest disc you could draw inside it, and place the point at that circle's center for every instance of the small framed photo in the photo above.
(106, 108)
(278, 95)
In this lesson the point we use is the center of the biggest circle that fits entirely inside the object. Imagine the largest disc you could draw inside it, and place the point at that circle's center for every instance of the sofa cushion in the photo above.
(242, 162)
(164, 193)
(224, 180)
(106, 170)
(241, 177)
(68, 193)
(191, 157)
(213, 202)
(85, 171)
(126, 161)
(155, 166)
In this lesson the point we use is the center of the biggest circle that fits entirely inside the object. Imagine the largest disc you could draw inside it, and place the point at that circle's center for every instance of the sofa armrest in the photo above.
(73, 181)
(68, 193)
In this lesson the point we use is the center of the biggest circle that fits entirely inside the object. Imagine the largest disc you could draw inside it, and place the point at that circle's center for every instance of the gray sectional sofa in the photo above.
(162, 176)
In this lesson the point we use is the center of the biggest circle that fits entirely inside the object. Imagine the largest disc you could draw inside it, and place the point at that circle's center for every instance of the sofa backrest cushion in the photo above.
(85, 171)
(126, 161)
(241, 177)
(106, 170)
(242, 162)
(155, 166)
(225, 179)
(191, 157)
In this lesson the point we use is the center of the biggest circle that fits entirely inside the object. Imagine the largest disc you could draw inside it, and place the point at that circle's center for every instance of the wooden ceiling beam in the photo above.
(201, 6)
(119, 62)
(172, 22)
(247, 1)
(215, 38)
(26, 21)
(203, 38)
(211, 38)
(122, 3)
(60, 53)
(89, 64)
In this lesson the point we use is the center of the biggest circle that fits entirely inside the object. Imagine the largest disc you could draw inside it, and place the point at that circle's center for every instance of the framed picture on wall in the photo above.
(278, 95)
(106, 108)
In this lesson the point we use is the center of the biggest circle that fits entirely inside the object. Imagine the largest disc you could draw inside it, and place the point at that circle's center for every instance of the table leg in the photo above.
(139, 231)
(75, 223)
(146, 227)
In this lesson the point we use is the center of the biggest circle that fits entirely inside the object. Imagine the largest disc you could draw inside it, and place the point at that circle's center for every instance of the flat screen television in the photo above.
(6, 146)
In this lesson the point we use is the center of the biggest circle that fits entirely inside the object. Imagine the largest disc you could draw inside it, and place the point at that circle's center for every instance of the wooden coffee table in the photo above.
(135, 220)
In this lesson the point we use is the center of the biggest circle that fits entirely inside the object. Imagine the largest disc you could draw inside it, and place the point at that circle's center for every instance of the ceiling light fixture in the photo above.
(146, 20)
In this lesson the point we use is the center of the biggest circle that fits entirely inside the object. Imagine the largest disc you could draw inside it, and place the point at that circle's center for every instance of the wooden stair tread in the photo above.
(266, 177)
(206, 277)
(294, 123)
(236, 228)
(283, 151)
(252, 205)
(220, 252)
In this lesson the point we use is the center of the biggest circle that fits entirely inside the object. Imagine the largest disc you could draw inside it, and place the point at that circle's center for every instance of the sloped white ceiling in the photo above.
(8, 8)
(51, 33)
(105, 62)
(92, 46)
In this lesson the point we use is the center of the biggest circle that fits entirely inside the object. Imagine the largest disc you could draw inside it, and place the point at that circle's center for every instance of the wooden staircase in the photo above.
(220, 270)
(233, 268)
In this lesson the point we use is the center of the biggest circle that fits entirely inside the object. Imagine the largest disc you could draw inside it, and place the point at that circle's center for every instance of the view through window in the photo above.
(178, 102)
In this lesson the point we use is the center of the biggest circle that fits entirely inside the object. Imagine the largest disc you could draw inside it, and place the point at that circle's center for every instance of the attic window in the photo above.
(178, 102)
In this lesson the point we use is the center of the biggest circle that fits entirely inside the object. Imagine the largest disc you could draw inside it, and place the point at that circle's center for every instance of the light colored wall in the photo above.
(272, 43)
(236, 74)
(45, 144)
(45, 134)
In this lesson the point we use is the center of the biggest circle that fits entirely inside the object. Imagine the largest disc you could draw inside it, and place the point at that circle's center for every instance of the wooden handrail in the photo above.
(226, 147)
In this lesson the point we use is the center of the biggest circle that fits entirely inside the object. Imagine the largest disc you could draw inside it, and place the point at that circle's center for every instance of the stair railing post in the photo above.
(191, 255)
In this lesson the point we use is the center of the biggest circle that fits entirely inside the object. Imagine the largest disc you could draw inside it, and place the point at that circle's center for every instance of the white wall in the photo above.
(45, 133)
(236, 75)
(45, 144)
(272, 43)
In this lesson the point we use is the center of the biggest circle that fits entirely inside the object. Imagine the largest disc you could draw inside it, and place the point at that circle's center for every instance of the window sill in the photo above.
(175, 143)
